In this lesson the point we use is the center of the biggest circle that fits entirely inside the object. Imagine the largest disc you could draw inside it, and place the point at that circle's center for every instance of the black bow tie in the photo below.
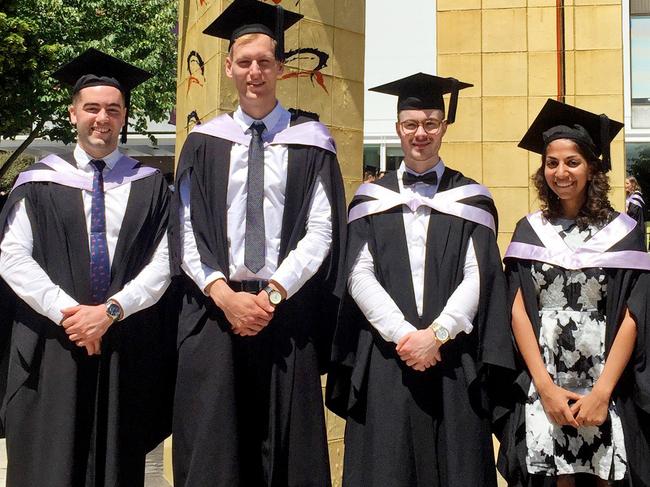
(409, 179)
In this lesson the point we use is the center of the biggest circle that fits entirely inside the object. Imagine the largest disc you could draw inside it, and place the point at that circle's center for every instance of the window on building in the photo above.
(371, 157)
(381, 157)
(640, 62)
(394, 156)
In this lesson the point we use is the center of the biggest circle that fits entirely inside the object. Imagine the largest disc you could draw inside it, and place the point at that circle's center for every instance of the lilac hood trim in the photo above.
(444, 202)
(635, 199)
(64, 173)
(592, 253)
(308, 133)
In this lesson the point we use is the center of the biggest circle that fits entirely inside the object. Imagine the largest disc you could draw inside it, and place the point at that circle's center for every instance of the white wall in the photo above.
(400, 41)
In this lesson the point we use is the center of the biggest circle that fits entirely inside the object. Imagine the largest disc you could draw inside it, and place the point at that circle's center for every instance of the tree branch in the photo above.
(36, 132)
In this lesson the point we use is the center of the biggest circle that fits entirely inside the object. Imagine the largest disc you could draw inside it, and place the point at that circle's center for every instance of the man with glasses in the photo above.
(421, 333)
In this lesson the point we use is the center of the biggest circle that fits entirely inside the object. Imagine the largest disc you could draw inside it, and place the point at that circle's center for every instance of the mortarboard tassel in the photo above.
(604, 140)
(279, 33)
(127, 103)
(453, 101)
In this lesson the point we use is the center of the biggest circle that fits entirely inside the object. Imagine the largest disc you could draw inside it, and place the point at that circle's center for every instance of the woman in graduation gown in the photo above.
(634, 203)
(578, 287)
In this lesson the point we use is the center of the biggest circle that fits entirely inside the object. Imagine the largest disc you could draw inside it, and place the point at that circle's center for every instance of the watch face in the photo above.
(442, 334)
(113, 310)
(275, 297)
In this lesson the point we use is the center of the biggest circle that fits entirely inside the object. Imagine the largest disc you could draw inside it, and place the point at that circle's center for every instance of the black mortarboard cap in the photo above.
(252, 17)
(423, 92)
(95, 68)
(558, 120)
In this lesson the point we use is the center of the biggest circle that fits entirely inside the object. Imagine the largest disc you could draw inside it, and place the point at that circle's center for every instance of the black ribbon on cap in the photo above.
(604, 141)
(279, 33)
(127, 104)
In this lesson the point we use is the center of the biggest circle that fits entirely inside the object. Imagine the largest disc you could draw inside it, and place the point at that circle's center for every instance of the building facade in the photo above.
(636, 77)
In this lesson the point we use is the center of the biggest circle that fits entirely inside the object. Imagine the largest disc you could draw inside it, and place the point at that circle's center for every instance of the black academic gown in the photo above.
(625, 288)
(72, 420)
(407, 428)
(637, 211)
(248, 410)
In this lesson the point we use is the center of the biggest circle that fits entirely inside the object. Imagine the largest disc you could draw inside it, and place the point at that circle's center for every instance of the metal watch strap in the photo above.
(435, 327)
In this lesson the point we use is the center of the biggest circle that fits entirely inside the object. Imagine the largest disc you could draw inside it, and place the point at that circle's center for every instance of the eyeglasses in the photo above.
(431, 126)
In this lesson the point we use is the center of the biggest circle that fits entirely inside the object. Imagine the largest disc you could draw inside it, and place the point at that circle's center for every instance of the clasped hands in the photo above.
(588, 410)
(248, 314)
(86, 325)
(419, 349)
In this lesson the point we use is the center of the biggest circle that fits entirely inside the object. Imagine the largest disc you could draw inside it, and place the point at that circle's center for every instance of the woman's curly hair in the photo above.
(597, 208)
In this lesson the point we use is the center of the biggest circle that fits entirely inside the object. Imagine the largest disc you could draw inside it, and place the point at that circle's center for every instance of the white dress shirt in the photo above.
(377, 305)
(302, 262)
(30, 282)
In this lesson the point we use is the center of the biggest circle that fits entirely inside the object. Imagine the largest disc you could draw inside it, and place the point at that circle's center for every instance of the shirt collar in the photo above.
(83, 159)
(277, 120)
(423, 189)
(439, 168)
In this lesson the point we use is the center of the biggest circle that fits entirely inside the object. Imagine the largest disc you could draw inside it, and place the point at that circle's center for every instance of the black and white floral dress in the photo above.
(572, 343)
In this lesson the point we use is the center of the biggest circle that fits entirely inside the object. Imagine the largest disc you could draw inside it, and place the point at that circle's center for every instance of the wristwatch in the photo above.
(113, 310)
(275, 297)
(440, 332)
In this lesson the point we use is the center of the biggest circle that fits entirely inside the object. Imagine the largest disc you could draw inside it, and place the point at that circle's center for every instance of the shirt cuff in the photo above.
(126, 302)
(454, 326)
(282, 278)
(402, 330)
(209, 279)
(63, 302)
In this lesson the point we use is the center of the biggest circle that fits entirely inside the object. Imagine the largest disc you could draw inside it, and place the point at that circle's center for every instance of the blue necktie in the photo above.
(255, 239)
(100, 267)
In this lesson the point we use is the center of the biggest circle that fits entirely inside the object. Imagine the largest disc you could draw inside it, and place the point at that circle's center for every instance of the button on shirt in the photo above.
(30, 282)
(302, 262)
(377, 305)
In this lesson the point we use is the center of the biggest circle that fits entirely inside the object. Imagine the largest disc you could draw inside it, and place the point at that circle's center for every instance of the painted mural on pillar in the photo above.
(308, 62)
(196, 69)
(193, 119)
(315, 57)
(280, 1)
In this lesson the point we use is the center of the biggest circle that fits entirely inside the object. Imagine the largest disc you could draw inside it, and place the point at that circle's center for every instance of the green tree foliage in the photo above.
(19, 164)
(37, 36)
(21, 54)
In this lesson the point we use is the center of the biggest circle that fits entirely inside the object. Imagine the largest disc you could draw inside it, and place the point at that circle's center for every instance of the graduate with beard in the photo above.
(261, 231)
(84, 249)
(423, 339)
(578, 290)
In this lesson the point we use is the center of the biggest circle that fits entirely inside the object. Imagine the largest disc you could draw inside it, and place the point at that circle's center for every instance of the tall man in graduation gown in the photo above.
(262, 215)
(84, 248)
(424, 334)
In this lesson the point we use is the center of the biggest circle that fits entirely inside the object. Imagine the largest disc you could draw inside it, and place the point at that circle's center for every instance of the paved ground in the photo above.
(153, 472)
(154, 468)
